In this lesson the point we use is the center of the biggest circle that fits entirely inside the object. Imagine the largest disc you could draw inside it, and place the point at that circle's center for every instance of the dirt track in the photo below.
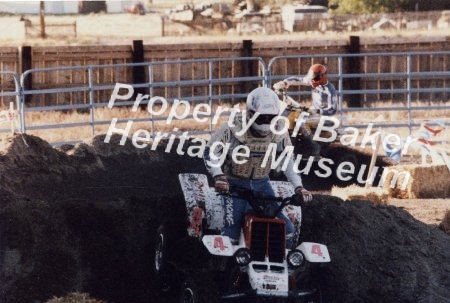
(82, 220)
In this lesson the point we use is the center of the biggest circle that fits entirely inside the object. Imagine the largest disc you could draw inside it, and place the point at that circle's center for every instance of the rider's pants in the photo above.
(307, 137)
(236, 208)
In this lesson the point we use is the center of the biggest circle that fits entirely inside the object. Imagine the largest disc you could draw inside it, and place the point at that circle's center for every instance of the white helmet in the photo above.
(264, 101)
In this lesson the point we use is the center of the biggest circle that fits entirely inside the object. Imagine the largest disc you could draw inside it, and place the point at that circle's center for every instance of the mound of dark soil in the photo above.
(75, 298)
(379, 253)
(338, 154)
(83, 219)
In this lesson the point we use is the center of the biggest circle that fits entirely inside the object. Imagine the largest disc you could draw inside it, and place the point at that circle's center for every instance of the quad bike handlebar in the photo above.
(291, 103)
(263, 205)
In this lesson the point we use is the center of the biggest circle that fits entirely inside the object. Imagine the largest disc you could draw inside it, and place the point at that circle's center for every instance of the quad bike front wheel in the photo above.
(315, 297)
(309, 281)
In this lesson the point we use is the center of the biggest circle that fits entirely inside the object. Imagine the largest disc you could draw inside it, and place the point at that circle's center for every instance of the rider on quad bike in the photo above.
(324, 98)
(249, 225)
(249, 173)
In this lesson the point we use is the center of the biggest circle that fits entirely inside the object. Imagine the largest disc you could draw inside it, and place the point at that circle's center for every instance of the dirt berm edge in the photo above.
(81, 218)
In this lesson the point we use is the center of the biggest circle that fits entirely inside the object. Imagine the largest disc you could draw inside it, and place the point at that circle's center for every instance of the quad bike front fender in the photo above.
(218, 245)
(314, 252)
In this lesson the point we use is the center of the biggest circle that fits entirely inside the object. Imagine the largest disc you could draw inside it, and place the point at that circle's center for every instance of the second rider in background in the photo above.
(323, 94)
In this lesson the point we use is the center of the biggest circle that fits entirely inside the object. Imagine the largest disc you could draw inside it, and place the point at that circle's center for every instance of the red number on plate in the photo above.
(315, 249)
(218, 242)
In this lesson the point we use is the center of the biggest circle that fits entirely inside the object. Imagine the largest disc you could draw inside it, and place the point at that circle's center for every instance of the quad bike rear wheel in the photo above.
(160, 249)
(197, 286)
(189, 292)
(160, 261)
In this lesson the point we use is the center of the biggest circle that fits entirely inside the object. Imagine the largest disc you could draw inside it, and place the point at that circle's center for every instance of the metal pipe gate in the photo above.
(219, 81)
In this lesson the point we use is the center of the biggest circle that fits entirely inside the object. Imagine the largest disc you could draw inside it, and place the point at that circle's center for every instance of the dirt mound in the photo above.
(445, 224)
(30, 167)
(82, 220)
(338, 154)
(75, 298)
(379, 253)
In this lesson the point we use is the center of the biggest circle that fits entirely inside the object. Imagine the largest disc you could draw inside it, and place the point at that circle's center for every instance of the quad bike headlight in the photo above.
(242, 256)
(295, 258)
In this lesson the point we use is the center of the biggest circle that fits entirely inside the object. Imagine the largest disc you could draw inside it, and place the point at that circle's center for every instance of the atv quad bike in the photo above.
(259, 266)
(304, 146)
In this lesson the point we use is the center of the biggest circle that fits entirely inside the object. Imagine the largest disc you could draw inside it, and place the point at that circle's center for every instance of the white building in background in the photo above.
(56, 7)
(293, 13)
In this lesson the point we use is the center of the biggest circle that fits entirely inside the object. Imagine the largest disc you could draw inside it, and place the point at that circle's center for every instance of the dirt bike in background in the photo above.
(260, 266)
(304, 145)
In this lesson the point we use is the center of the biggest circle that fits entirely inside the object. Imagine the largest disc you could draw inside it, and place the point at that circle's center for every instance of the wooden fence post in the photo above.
(354, 67)
(26, 61)
(42, 18)
(138, 71)
(247, 65)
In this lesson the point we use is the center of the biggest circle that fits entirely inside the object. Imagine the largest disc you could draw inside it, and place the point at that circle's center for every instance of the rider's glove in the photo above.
(305, 194)
(281, 85)
(221, 184)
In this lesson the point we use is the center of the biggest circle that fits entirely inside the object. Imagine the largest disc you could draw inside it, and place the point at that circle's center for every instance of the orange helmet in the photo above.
(318, 74)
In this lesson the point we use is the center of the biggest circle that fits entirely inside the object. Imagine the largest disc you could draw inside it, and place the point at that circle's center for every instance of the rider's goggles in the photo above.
(263, 119)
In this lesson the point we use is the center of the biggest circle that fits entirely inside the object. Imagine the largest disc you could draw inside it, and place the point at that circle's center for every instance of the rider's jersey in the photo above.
(324, 97)
(250, 167)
